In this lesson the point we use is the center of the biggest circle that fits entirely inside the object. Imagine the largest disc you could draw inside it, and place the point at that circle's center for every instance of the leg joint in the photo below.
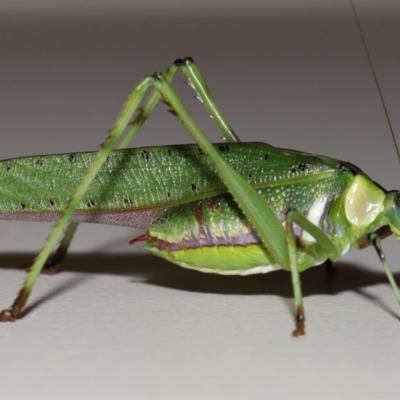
(185, 62)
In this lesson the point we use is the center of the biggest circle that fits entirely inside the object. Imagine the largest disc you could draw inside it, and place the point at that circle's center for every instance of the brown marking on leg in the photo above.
(11, 314)
(7, 315)
(54, 262)
(300, 323)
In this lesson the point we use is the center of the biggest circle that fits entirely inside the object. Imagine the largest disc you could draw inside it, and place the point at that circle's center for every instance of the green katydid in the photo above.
(230, 208)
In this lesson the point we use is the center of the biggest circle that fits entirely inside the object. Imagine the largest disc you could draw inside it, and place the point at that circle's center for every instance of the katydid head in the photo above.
(392, 209)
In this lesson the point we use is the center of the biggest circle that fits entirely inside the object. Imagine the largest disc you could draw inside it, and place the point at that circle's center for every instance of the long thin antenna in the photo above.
(375, 78)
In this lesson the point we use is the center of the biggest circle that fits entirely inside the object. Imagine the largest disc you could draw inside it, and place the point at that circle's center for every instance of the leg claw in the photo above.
(7, 315)
(300, 329)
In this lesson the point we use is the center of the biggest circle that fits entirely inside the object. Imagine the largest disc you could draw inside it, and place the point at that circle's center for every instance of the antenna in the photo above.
(360, 30)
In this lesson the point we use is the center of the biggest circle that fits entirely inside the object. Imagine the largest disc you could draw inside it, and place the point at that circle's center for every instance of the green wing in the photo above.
(151, 178)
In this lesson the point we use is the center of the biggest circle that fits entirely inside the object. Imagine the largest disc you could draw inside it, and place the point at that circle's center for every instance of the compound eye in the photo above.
(396, 198)
(392, 208)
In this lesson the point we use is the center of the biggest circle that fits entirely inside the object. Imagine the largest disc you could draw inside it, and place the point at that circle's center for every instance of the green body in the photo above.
(175, 194)
(231, 208)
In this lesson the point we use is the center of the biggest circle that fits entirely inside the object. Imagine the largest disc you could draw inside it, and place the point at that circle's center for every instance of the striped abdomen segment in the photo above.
(213, 235)
(216, 221)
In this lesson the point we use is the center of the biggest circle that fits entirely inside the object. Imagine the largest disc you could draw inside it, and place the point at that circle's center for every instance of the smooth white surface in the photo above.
(120, 325)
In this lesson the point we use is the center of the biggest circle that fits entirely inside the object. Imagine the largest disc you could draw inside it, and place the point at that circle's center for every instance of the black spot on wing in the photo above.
(223, 147)
(300, 167)
(145, 155)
